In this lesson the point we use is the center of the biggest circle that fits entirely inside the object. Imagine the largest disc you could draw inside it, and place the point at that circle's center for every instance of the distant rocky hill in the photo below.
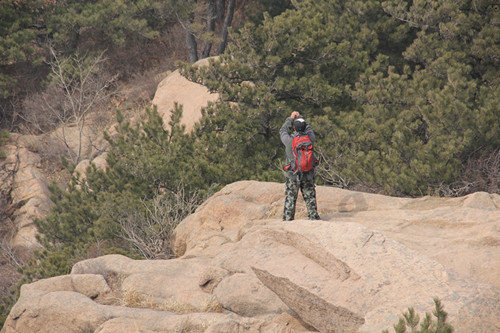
(242, 269)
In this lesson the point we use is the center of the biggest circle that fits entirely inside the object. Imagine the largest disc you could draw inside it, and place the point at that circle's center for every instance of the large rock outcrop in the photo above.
(21, 175)
(175, 88)
(242, 269)
(26, 176)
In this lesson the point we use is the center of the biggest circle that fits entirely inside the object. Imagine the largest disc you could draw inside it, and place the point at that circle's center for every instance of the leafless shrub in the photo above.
(480, 173)
(78, 86)
(9, 254)
(330, 169)
(150, 233)
(141, 87)
(50, 151)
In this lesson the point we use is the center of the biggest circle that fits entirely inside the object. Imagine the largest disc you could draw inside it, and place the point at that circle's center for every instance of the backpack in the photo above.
(303, 152)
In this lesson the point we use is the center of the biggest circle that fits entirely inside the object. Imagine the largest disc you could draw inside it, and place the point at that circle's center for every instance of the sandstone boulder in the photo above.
(90, 285)
(464, 239)
(66, 311)
(70, 303)
(244, 294)
(314, 310)
(242, 269)
(21, 172)
(175, 88)
(81, 167)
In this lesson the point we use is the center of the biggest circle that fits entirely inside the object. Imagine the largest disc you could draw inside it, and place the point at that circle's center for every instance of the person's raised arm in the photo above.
(286, 138)
(309, 131)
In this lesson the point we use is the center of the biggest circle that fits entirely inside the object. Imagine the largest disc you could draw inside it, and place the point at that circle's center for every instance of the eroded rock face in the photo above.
(242, 269)
(175, 88)
(21, 172)
(314, 310)
(24, 175)
(459, 233)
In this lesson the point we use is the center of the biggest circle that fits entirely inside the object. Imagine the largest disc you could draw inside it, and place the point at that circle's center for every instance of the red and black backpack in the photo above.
(303, 153)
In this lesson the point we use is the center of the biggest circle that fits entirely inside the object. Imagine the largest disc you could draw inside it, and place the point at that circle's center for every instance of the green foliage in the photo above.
(16, 34)
(28, 27)
(410, 320)
(402, 94)
(425, 120)
(113, 20)
(146, 163)
(304, 60)
(3, 136)
(7, 302)
(255, 10)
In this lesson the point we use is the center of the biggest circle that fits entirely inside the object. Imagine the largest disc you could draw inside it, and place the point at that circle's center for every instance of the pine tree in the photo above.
(145, 161)
(3, 136)
(304, 59)
(400, 95)
(411, 320)
(421, 123)
(16, 35)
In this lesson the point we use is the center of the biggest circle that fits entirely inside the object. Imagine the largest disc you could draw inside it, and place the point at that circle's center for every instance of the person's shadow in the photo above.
(349, 206)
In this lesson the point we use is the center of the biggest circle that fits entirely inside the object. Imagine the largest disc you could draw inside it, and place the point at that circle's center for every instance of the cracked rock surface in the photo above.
(241, 269)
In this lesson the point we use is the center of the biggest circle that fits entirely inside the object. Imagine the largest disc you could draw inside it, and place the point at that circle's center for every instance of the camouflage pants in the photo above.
(306, 186)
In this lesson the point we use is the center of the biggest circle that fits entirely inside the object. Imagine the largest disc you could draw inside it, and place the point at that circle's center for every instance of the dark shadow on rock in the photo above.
(312, 250)
(313, 310)
(354, 202)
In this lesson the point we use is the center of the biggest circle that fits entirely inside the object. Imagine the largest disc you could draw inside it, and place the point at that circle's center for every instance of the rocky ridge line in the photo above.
(336, 266)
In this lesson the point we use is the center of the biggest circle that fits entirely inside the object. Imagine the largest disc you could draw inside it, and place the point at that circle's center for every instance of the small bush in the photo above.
(479, 173)
(150, 231)
(411, 320)
(3, 137)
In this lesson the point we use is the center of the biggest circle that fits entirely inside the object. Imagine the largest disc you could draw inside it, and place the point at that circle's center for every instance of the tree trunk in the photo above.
(191, 46)
(227, 24)
(75, 39)
(207, 45)
(220, 10)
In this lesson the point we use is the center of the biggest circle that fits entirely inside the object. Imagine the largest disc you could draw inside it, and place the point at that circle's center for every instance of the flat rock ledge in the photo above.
(241, 269)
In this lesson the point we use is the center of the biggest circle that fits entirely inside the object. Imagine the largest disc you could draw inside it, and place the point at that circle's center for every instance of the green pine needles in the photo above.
(400, 96)
(150, 184)
(4, 135)
(411, 320)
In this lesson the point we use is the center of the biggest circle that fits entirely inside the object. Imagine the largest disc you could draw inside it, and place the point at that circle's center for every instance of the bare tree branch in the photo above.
(150, 232)
(78, 87)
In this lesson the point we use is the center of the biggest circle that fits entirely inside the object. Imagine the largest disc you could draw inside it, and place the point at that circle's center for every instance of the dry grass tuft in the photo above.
(189, 326)
(115, 296)
(135, 299)
(213, 305)
(174, 306)
(488, 241)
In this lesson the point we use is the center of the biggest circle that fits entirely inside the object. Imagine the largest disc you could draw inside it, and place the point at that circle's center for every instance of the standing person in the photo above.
(296, 178)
